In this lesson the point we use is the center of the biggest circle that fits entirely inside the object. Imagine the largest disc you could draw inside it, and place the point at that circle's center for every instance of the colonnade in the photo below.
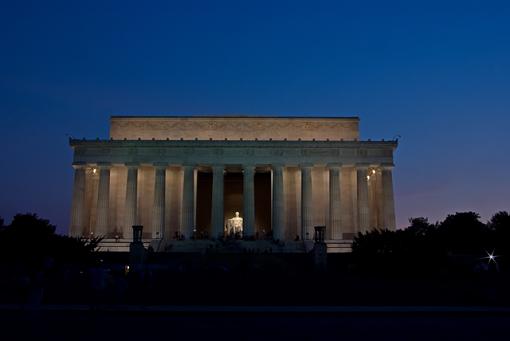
(376, 179)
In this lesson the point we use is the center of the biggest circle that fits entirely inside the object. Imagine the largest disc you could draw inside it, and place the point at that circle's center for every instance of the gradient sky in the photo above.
(436, 73)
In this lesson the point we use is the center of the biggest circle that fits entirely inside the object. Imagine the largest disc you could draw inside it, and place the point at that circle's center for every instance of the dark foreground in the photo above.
(273, 323)
(251, 280)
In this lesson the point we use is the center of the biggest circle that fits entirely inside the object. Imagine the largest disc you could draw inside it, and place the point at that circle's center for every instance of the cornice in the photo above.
(237, 116)
(233, 143)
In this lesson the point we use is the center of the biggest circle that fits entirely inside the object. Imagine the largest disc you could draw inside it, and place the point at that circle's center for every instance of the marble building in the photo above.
(190, 176)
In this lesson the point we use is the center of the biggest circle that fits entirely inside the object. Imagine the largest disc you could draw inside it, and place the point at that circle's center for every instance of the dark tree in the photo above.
(420, 226)
(30, 240)
(31, 226)
(424, 247)
(500, 222)
(463, 232)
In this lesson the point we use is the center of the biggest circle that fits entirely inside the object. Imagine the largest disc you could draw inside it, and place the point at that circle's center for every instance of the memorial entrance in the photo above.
(233, 200)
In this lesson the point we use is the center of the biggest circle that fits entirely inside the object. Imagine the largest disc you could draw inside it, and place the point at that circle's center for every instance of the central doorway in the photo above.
(232, 196)
(233, 201)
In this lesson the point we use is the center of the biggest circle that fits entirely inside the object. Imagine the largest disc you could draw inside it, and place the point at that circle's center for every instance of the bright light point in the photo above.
(373, 171)
(491, 257)
(368, 177)
(94, 171)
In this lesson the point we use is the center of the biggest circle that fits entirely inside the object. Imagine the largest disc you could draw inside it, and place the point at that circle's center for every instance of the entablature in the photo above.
(232, 151)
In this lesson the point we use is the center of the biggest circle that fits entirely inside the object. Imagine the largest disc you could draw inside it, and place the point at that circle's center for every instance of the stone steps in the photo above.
(119, 245)
(234, 246)
(339, 246)
(122, 245)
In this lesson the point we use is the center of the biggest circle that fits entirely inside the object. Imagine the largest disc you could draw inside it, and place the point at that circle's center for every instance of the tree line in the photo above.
(30, 241)
(461, 239)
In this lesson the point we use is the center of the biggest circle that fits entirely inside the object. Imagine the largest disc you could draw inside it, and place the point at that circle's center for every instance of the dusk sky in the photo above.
(435, 73)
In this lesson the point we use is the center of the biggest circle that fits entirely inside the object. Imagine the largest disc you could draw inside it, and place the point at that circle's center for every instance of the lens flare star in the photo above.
(490, 257)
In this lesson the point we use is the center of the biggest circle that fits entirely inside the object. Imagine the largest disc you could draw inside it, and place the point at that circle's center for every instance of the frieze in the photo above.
(231, 152)
(277, 152)
(319, 152)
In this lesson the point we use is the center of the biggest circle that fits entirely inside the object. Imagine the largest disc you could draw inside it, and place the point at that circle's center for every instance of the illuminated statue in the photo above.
(235, 225)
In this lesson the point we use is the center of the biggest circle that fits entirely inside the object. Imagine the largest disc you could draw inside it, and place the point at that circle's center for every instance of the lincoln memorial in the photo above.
(241, 177)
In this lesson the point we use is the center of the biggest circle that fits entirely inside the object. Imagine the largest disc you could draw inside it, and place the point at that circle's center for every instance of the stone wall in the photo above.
(234, 128)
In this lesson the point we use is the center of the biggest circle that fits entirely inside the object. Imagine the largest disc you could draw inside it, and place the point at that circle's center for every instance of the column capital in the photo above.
(387, 166)
(248, 166)
(306, 165)
(218, 168)
(79, 165)
(160, 165)
(249, 169)
(334, 165)
(132, 164)
(104, 165)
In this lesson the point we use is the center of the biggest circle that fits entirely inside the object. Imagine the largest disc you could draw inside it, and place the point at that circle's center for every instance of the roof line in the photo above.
(236, 116)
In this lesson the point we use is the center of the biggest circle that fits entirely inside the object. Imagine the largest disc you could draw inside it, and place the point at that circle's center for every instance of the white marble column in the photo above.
(335, 201)
(131, 208)
(248, 201)
(306, 202)
(188, 206)
(362, 190)
(388, 199)
(103, 201)
(158, 208)
(217, 214)
(379, 198)
(372, 197)
(76, 228)
(278, 203)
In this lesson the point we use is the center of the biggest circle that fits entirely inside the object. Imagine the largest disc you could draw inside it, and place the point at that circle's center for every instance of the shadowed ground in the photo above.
(234, 325)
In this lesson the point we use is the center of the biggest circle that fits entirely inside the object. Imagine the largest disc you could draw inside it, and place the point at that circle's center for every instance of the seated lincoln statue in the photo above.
(235, 226)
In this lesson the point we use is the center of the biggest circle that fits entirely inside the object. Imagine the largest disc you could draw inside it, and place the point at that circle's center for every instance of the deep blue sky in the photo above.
(436, 73)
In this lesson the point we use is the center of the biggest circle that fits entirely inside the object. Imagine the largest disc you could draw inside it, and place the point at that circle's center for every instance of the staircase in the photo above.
(117, 245)
(229, 246)
(339, 246)
(200, 246)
